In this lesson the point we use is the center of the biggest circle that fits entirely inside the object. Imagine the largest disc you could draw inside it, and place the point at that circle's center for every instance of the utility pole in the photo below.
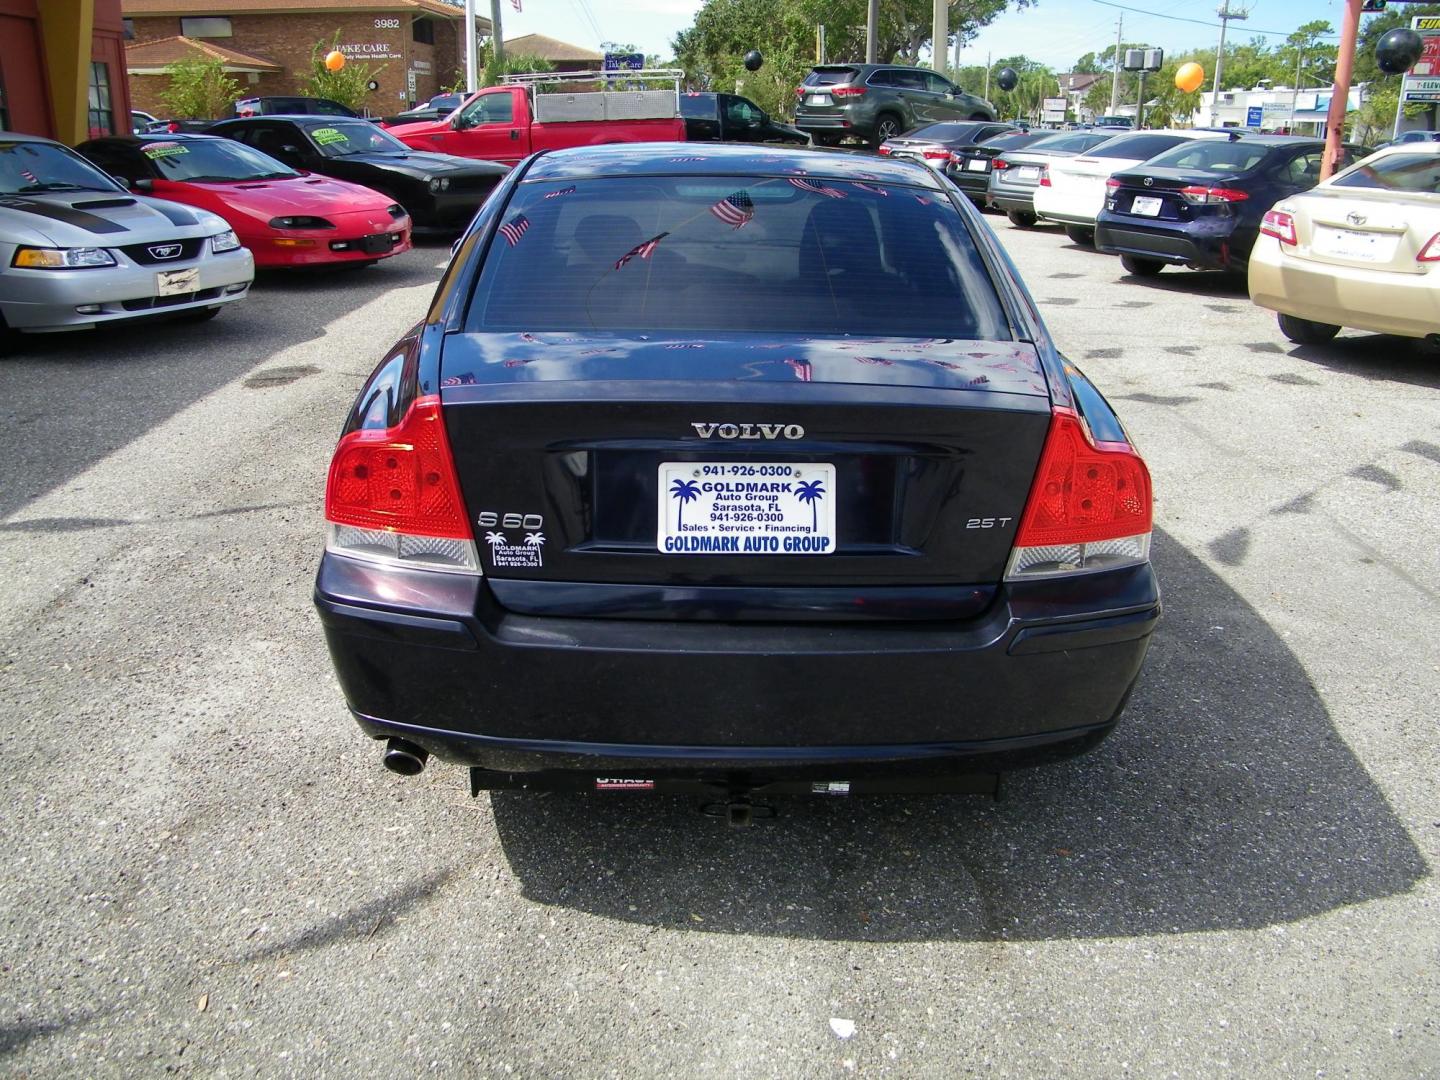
(1115, 82)
(471, 72)
(872, 19)
(497, 36)
(959, 43)
(1295, 94)
(987, 77)
(1340, 94)
(820, 43)
(1225, 16)
(939, 34)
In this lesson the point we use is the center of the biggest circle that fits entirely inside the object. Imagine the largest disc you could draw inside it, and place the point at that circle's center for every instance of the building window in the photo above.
(422, 30)
(206, 26)
(129, 27)
(102, 116)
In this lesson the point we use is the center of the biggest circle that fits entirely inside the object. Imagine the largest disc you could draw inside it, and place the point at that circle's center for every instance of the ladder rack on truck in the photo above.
(602, 104)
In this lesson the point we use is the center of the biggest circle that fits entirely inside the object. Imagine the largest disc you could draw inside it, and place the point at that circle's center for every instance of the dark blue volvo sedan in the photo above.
(736, 469)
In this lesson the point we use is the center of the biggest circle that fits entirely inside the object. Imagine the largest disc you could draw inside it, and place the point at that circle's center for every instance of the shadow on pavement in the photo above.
(1225, 799)
(67, 400)
(1377, 357)
(1191, 282)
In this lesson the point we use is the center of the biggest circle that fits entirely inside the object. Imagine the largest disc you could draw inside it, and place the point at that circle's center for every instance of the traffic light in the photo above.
(1372, 5)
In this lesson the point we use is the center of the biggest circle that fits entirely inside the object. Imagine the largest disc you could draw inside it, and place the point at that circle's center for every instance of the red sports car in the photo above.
(285, 218)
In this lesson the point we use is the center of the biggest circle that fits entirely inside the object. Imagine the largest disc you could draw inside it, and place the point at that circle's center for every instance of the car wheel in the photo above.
(1021, 219)
(1080, 234)
(887, 127)
(1140, 267)
(1305, 332)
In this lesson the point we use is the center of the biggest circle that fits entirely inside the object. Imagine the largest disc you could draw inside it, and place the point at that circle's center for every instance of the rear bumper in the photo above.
(1049, 663)
(972, 184)
(1381, 301)
(830, 123)
(1022, 200)
(1205, 244)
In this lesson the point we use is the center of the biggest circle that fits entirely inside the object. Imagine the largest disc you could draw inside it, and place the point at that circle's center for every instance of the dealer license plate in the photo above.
(977, 164)
(1146, 206)
(1029, 172)
(377, 243)
(1355, 244)
(746, 508)
(175, 282)
(818, 99)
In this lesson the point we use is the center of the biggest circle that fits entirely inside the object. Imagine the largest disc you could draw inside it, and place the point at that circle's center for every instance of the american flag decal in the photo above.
(514, 229)
(563, 191)
(641, 251)
(736, 209)
(819, 189)
(28, 175)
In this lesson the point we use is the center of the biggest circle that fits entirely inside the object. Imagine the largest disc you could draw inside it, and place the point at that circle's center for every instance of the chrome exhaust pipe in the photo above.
(405, 758)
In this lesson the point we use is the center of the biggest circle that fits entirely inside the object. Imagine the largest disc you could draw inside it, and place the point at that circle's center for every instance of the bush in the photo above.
(198, 90)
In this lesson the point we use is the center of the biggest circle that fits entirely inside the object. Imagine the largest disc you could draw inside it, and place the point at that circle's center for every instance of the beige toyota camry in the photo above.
(1361, 250)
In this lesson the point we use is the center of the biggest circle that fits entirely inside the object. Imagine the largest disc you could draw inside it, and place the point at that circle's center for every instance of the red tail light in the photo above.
(1431, 251)
(393, 495)
(172, 127)
(1206, 196)
(1089, 505)
(1112, 183)
(884, 149)
(1044, 176)
(999, 163)
(847, 91)
(939, 155)
(799, 91)
(1280, 225)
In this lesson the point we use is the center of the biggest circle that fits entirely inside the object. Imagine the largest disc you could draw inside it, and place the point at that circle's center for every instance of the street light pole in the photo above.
(1115, 80)
(1225, 16)
(471, 74)
(872, 19)
(940, 34)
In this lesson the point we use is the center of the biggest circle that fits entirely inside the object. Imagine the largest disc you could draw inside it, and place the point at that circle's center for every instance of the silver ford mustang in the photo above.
(77, 249)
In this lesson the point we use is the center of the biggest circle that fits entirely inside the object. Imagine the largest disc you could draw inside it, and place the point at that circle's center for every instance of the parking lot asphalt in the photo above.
(207, 871)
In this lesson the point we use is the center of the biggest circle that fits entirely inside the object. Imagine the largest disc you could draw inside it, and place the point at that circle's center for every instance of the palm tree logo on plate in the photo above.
(496, 539)
(534, 540)
(685, 491)
(811, 491)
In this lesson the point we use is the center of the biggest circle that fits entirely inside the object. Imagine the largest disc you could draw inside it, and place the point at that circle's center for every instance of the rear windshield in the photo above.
(947, 132)
(763, 254)
(1072, 144)
(830, 76)
(1417, 173)
(217, 160)
(699, 106)
(1142, 147)
(1011, 140)
(1219, 156)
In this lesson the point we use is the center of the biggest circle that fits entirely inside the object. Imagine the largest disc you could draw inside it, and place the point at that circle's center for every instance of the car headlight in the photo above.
(61, 258)
(440, 183)
(225, 241)
(301, 222)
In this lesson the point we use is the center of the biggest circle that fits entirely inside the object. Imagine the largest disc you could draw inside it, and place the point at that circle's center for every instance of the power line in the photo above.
(1199, 22)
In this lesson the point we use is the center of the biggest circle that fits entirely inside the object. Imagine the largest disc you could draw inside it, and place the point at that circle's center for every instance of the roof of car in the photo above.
(711, 159)
(158, 136)
(20, 136)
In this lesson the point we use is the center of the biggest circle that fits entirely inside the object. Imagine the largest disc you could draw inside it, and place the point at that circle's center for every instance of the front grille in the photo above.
(141, 253)
(153, 302)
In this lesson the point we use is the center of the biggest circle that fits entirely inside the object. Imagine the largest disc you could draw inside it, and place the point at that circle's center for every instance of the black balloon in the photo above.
(753, 60)
(1007, 79)
(1398, 50)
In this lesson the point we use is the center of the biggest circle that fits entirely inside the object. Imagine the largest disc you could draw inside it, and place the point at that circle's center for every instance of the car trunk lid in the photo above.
(1380, 233)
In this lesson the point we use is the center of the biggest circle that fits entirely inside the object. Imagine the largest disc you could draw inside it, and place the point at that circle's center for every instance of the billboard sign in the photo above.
(1423, 81)
(624, 61)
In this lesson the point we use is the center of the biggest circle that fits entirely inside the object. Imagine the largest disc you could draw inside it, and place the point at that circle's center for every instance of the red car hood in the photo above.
(311, 195)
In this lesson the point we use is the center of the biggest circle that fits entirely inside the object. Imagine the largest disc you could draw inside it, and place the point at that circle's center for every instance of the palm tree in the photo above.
(495, 539)
(534, 540)
(685, 491)
(811, 491)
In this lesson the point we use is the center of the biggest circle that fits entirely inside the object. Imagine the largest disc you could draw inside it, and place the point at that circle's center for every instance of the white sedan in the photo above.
(1073, 193)
(1361, 250)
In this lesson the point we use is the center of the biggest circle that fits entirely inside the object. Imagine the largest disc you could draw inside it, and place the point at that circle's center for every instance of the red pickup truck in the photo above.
(507, 123)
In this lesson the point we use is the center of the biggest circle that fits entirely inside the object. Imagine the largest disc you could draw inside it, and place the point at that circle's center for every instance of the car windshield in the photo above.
(832, 76)
(1417, 174)
(28, 168)
(339, 139)
(449, 102)
(947, 132)
(212, 161)
(1138, 147)
(765, 254)
(1067, 144)
(1218, 156)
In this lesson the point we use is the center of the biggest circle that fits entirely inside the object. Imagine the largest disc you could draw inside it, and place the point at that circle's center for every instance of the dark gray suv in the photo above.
(875, 102)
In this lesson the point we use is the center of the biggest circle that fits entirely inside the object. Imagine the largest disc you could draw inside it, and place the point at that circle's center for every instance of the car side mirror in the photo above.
(143, 184)
(460, 123)
(288, 149)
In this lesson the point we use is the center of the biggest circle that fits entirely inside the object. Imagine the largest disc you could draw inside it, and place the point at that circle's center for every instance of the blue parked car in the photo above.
(1200, 204)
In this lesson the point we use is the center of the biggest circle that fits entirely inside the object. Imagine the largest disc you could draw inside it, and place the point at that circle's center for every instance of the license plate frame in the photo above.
(1354, 245)
(1146, 205)
(377, 244)
(1028, 172)
(745, 508)
(177, 282)
(977, 164)
(817, 99)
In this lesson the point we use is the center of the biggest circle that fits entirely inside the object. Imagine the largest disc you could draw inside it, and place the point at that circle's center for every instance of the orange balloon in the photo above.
(335, 61)
(1189, 78)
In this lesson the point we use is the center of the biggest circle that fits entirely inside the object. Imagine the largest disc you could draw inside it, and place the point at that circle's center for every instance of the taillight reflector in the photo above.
(1431, 251)
(393, 494)
(1112, 183)
(847, 91)
(1280, 225)
(999, 163)
(1205, 196)
(939, 155)
(1089, 505)
(884, 151)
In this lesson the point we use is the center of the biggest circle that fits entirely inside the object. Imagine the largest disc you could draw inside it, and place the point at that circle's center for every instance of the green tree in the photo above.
(349, 86)
(1309, 50)
(493, 72)
(198, 89)
(1089, 64)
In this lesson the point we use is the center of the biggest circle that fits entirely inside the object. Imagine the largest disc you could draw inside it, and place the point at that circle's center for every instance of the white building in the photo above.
(1273, 108)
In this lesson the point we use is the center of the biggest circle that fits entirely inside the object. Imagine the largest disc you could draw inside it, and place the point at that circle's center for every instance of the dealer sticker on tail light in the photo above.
(746, 508)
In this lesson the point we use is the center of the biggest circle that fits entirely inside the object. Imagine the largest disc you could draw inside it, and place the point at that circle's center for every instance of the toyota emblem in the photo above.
(164, 251)
(1355, 219)
(1149, 181)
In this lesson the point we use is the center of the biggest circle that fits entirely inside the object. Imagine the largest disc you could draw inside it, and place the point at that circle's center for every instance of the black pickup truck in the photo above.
(731, 118)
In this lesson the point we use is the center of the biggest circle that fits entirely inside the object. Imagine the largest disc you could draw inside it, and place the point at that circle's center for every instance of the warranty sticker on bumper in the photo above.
(746, 508)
